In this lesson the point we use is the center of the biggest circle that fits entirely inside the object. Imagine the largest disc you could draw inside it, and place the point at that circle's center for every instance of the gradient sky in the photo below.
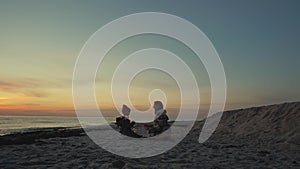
(257, 41)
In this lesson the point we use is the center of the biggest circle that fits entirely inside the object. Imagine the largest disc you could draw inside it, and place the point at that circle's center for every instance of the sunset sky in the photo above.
(257, 41)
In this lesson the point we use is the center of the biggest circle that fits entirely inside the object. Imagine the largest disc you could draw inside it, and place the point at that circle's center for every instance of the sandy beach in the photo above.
(260, 137)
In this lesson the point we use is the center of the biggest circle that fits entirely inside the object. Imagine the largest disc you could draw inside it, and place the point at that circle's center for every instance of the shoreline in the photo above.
(31, 137)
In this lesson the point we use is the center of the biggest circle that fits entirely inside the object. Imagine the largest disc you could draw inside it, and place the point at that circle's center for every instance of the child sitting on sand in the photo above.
(125, 125)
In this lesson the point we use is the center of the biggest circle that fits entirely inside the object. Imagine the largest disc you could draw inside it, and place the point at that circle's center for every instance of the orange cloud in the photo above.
(27, 87)
(19, 95)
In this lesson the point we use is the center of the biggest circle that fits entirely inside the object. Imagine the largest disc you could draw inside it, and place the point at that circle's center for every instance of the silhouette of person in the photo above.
(161, 118)
(124, 124)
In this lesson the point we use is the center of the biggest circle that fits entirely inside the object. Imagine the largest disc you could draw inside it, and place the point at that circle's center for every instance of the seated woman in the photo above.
(124, 124)
(160, 122)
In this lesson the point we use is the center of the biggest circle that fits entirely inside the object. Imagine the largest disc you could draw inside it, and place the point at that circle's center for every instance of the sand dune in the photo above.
(259, 137)
(272, 124)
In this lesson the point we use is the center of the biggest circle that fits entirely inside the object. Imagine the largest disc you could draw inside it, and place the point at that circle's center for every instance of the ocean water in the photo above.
(20, 124)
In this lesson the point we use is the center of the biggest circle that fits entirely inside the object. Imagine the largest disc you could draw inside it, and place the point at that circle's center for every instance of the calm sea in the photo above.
(17, 124)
